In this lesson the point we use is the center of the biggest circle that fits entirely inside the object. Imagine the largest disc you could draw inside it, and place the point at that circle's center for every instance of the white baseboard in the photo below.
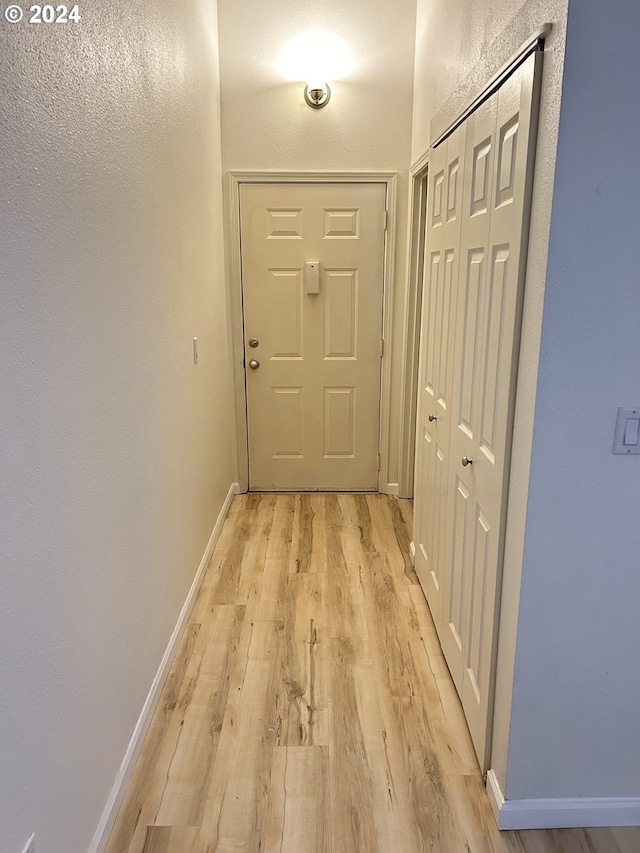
(555, 814)
(101, 835)
(392, 489)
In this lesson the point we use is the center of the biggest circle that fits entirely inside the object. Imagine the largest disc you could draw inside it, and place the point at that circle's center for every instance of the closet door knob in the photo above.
(432, 418)
(254, 364)
(466, 461)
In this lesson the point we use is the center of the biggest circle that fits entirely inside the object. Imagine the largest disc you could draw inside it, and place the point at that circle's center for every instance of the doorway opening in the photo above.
(300, 316)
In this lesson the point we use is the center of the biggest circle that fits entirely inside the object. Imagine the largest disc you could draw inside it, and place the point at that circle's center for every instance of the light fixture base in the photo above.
(318, 96)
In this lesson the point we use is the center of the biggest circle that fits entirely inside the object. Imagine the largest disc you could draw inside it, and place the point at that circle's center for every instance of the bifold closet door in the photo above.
(482, 346)
(444, 206)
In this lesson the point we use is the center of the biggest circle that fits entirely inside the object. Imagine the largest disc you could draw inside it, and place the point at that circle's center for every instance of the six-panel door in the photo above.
(313, 399)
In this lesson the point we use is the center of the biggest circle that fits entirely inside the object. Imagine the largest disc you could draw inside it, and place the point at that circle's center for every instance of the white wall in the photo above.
(367, 125)
(115, 448)
(575, 723)
(568, 688)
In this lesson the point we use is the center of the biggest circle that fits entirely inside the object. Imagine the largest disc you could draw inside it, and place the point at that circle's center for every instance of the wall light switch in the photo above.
(627, 436)
(632, 432)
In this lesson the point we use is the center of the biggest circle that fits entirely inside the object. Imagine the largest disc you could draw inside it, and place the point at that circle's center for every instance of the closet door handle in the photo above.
(466, 461)
(433, 418)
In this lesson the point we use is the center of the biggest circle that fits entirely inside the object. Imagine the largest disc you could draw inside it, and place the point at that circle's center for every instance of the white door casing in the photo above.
(313, 403)
(496, 173)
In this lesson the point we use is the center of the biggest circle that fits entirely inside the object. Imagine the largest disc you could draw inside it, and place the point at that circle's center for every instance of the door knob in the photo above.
(466, 461)
(254, 364)
(433, 418)
(253, 342)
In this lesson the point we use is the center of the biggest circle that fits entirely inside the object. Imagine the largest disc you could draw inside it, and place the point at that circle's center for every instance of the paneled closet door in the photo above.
(466, 333)
(444, 206)
(482, 345)
(485, 366)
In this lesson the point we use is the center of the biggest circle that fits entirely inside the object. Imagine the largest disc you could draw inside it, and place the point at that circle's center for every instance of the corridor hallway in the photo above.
(309, 708)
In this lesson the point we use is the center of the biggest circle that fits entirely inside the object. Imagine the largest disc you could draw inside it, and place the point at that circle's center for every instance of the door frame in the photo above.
(419, 176)
(234, 179)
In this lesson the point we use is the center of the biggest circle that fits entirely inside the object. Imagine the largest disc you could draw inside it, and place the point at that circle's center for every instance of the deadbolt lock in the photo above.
(253, 342)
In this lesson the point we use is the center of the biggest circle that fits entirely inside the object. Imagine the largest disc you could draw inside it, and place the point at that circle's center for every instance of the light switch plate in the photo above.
(626, 440)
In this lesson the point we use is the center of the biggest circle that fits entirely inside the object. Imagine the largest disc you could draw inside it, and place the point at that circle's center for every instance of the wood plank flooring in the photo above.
(309, 708)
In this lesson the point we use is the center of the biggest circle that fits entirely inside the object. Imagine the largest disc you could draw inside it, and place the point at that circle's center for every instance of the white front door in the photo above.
(312, 273)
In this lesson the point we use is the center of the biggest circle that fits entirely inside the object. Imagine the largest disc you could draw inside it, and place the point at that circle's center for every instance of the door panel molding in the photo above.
(233, 180)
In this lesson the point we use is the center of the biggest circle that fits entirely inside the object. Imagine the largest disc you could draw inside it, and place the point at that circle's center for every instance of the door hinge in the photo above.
(378, 463)
(381, 347)
(386, 219)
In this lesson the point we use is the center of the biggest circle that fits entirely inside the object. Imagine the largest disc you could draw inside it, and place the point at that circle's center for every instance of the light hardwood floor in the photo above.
(309, 708)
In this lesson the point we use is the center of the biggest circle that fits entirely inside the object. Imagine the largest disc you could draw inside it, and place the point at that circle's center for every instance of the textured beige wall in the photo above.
(367, 125)
(115, 447)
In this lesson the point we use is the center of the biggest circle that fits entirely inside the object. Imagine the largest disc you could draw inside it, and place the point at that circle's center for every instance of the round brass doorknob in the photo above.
(433, 418)
(254, 364)
(466, 461)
